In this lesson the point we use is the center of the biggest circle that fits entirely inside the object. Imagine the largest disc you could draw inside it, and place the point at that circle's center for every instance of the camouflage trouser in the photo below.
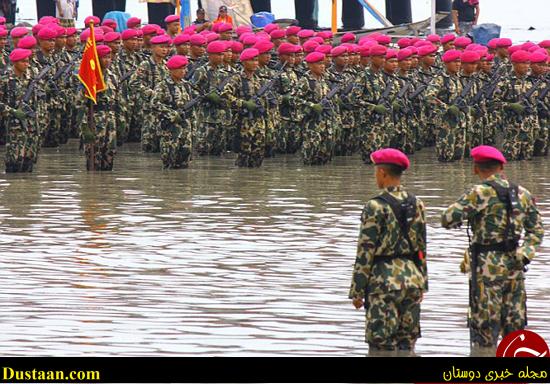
(2, 131)
(478, 129)
(174, 152)
(272, 121)
(21, 149)
(292, 131)
(518, 138)
(318, 141)
(104, 147)
(500, 310)
(372, 137)
(150, 140)
(252, 142)
(403, 138)
(345, 138)
(52, 132)
(451, 139)
(541, 138)
(210, 139)
(393, 319)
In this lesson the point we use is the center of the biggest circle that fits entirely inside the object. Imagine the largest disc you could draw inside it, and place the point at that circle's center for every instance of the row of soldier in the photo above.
(274, 91)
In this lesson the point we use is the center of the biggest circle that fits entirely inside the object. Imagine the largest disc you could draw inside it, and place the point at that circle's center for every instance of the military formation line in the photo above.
(258, 94)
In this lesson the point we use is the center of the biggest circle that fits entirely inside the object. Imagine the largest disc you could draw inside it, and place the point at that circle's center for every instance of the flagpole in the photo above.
(178, 12)
(334, 16)
(91, 120)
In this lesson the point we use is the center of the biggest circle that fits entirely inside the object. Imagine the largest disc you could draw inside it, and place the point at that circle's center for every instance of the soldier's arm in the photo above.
(161, 102)
(422, 240)
(368, 234)
(464, 208)
(286, 90)
(231, 93)
(358, 97)
(304, 94)
(532, 223)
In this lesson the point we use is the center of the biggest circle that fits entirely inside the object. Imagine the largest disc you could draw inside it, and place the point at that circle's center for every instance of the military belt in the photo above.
(503, 246)
(381, 258)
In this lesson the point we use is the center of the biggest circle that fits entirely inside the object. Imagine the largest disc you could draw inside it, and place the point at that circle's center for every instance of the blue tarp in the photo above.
(482, 33)
(120, 17)
(261, 19)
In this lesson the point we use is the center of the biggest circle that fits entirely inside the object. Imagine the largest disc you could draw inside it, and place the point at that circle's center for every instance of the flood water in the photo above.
(216, 260)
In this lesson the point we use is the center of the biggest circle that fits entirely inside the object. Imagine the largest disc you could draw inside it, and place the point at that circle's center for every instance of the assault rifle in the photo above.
(193, 102)
(263, 90)
(460, 100)
(526, 98)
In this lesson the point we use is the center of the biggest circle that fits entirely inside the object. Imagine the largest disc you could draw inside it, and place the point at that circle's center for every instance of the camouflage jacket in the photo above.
(488, 219)
(443, 91)
(193, 65)
(205, 80)
(4, 60)
(266, 74)
(12, 92)
(242, 88)
(311, 90)
(168, 101)
(512, 89)
(380, 235)
(368, 89)
(286, 88)
(147, 75)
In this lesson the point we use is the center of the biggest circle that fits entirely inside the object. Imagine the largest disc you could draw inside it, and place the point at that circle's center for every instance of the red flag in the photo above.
(90, 70)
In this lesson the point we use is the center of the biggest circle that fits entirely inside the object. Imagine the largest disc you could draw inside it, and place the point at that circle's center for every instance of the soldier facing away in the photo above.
(498, 212)
(390, 273)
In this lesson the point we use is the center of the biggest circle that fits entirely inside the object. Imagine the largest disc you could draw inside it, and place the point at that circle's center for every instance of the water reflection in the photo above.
(217, 260)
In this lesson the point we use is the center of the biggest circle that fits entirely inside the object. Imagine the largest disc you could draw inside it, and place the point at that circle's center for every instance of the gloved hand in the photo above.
(286, 99)
(250, 105)
(214, 98)
(515, 107)
(19, 114)
(396, 105)
(87, 136)
(177, 118)
(317, 108)
(381, 109)
(453, 110)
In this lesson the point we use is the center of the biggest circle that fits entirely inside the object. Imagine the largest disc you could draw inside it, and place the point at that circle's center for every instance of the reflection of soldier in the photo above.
(390, 273)
(498, 212)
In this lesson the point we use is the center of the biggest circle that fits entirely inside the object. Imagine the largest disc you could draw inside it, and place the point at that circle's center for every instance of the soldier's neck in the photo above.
(249, 74)
(157, 59)
(18, 73)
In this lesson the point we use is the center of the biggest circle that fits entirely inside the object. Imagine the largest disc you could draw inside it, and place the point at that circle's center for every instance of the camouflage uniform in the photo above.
(486, 114)
(175, 129)
(23, 136)
(519, 129)
(345, 127)
(318, 134)
(374, 129)
(474, 127)
(251, 125)
(289, 134)
(425, 114)
(147, 75)
(404, 118)
(451, 137)
(542, 134)
(211, 118)
(102, 138)
(127, 63)
(391, 284)
(499, 307)
(273, 115)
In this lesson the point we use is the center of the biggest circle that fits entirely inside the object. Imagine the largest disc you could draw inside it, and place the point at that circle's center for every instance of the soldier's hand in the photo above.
(358, 303)
(453, 110)
(317, 108)
(19, 114)
(286, 99)
(177, 118)
(213, 97)
(250, 105)
(516, 108)
(396, 105)
(381, 109)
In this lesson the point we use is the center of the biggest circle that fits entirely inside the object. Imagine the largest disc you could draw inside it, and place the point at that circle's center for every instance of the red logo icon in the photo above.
(523, 344)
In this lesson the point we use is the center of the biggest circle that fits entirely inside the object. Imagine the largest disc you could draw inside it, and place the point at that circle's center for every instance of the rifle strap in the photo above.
(404, 211)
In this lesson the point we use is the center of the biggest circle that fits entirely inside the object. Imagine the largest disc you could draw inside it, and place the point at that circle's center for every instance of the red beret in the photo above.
(324, 49)
(378, 50)
(263, 35)
(473, 47)
(513, 48)
(544, 44)
(315, 57)
(47, 20)
(224, 27)
(245, 35)
(139, 33)
(216, 47)
(27, 42)
(390, 156)
(243, 29)
(538, 57)
(324, 35)
(171, 19)
(162, 39)
(84, 35)
(535, 48)
(525, 46)
(98, 37)
(3, 32)
(20, 32)
(433, 38)
(348, 37)
(212, 37)
(250, 40)
(414, 50)
(338, 51)
(129, 34)
(404, 42)
(504, 43)
(197, 40)
(484, 153)
(383, 39)
(310, 46)
(133, 22)
(404, 54)
(176, 62)
(19, 54)
(92, 19)
(287, 48)
(390, 54)
(451, 55)
(447, 38)
(182, 38)
(271, 27)
(236, 47)
(482, 50)
(150, 29)
(71, 31)
(463, 41)
(47, 34)
(190, 30)
(367, 40)
(470, 57)
(306, 33)
(520, 56)
(489, 57)
(59, 30)
(492, 44)
(106, 29)
(277, 34)
(249, 54)
(109, 23)
(426, 50)
(2, 20)
(263, 46)
(103, 50)
(111, 36)
(293, 30)
(364, 50)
